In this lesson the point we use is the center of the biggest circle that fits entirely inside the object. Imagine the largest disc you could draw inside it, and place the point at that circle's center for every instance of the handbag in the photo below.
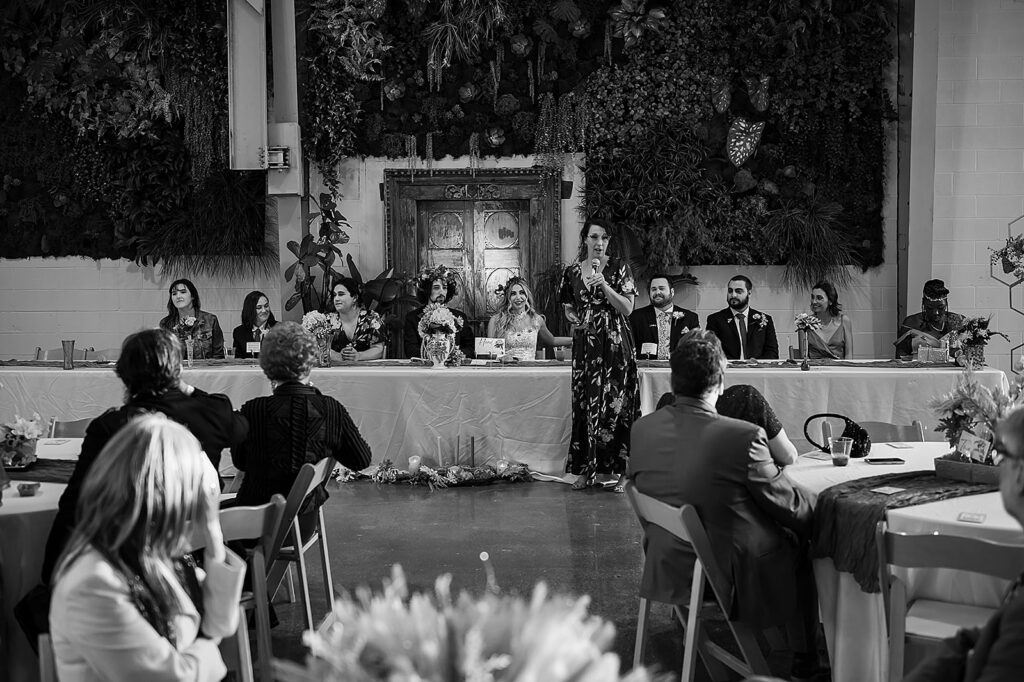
(852, 430)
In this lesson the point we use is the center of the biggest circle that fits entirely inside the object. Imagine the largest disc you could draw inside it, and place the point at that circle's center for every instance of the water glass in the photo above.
(69, 353)
(229, 352)
(841, 448)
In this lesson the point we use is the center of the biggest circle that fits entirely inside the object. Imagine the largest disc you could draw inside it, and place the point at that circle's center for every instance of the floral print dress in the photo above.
(369, 331)
(605, 389)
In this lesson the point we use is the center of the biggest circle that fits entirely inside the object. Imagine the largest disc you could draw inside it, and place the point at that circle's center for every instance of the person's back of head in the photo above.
(150, 363)
(698, 364)
(145, 486)
(288, 352)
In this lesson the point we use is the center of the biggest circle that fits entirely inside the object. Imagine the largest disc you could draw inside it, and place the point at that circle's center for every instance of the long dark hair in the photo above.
(172, 312)
(834, 306)
(249, 310)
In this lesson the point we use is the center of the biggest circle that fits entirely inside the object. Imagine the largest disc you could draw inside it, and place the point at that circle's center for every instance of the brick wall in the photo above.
(979, 157)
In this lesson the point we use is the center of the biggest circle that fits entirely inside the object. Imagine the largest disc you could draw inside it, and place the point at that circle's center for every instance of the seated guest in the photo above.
(931, 324)
(835, 338)
(256, 322)
(127, 604)
(522, 327)
(295, 425)
(185, 319)
(745, 333)
(150, 367)
(994, 651)
(746, 403)
(662, 322)
(687, 453)
(436, 285)
(361, 336)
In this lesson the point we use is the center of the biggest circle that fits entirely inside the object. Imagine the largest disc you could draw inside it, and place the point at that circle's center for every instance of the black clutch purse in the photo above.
(852, 430)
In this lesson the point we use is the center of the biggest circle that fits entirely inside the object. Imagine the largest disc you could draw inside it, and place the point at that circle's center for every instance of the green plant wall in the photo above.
(114, 133)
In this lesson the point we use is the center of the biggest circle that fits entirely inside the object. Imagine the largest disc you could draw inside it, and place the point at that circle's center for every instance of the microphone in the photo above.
(595, 265)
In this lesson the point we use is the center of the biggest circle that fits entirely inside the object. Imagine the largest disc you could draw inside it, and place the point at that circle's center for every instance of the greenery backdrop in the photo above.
(718, 131)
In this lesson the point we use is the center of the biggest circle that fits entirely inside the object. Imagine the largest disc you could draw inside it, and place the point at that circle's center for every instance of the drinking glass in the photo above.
(841, 448)
(69, 353)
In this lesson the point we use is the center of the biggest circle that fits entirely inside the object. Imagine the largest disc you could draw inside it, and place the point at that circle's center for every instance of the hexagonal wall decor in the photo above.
(998, 271)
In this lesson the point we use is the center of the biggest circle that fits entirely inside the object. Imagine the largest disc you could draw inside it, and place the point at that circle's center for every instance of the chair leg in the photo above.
(325, 556)
(750, 649)
(300, 557)
(260, 597)
(238, 648)
(692, 634)
(289, 584)
(640, 648)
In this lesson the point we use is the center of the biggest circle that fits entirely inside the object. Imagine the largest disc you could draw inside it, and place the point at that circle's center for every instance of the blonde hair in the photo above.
(503, 318)
(145, 486)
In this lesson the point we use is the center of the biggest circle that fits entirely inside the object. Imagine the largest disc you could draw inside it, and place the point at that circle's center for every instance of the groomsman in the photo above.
(745, 333)
(657, 327)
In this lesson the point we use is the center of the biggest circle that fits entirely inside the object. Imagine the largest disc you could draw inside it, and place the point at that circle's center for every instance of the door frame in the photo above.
(403, 188)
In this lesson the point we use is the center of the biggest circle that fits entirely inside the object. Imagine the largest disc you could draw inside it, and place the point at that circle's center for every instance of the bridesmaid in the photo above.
(188, 321)
(835, 338)
(257, 320)
(597, 292)
(361, 336)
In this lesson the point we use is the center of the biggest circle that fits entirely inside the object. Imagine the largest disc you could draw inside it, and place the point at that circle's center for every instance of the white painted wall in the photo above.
(979, 160)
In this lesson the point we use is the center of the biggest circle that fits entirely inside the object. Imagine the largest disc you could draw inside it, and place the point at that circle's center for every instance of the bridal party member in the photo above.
(660, 324)
(436, 285)
(257, 320)
(362, 333)
(518, 322)
(745, 333)
(188, 321)
(597, 294)
(834, 339)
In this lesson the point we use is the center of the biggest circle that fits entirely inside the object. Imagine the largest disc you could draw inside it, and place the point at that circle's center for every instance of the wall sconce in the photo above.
(276, 158)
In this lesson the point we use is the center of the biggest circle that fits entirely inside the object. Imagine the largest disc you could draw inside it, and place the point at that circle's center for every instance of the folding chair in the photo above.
(71, 429)
(58, 353)
(106, 355)
(884, 432)
(925, 622)
(686, 525)
(310, 476)
(262, 524)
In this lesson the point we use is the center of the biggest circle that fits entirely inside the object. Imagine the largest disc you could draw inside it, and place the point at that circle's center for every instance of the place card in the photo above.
(478, 363)
(971, 517)
(649, 349)
(485, 346)
(252, 347)
(976, 448)
(887, 490)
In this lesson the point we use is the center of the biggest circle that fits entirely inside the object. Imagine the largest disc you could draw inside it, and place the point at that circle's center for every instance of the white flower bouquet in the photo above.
(806, 322)
(444, 638)
(321, 325)
(438, 319)
(18, 443)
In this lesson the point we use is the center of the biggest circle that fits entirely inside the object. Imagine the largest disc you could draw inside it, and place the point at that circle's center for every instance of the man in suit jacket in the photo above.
(662, 322)
(150, 367)
(745, 333)
(757, 522)
(994, 652)
(436, 285)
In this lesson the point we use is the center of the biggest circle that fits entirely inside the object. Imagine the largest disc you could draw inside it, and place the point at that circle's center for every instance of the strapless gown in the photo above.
(522, 345)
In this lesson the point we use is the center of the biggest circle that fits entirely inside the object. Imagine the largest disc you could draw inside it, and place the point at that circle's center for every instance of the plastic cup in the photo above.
(841, 448)
(229, 352)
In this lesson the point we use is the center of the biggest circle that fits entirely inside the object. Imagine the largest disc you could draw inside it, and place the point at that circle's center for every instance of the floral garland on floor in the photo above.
(452, 476)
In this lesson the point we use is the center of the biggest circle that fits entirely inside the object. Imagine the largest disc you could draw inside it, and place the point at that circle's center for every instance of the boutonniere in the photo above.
(761, 320)
(678, 315)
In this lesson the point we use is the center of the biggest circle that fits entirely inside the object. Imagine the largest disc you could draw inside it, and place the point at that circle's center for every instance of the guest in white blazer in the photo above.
(127, 603)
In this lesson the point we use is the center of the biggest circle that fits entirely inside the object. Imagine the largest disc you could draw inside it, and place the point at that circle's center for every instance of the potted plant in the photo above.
(317, 252)
(1011, 256)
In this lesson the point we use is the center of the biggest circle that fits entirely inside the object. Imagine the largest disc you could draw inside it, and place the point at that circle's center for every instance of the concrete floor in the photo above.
(579, 542)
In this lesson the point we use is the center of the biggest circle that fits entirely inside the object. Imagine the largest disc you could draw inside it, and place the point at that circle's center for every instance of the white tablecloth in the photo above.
(897, 396)
(854, 620)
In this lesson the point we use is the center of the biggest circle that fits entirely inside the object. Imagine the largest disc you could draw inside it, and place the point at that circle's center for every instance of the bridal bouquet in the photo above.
(806, 321)
(441, 637)
(18, 441)
(438, 319)
(320, 325)
(186, 329)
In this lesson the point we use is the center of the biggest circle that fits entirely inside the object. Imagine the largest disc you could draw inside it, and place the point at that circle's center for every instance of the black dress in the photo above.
(741, 402)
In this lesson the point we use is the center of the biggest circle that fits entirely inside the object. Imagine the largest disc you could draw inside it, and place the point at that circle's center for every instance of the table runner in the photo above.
(846, 515)
(45, 471)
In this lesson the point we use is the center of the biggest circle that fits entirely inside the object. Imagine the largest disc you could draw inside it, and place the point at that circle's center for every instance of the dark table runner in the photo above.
(846, 515)
(45, 471)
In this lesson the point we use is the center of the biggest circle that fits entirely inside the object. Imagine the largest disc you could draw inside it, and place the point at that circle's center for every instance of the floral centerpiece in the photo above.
(186, 331)
(970, 339)
(973, 409)
(323, 328)
(18, 447)
(1011, 256)
(804, 323)
(438, 327)
(442, 637)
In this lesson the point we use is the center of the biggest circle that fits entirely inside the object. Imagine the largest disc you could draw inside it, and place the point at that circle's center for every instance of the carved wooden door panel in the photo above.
(485, 242)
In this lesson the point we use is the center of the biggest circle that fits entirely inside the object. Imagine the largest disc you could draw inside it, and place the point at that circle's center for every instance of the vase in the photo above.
(436, 348)
(1008, 266)
(801, 339)
(972, 356)
(323, 344)
(18, 455)
(190, 347)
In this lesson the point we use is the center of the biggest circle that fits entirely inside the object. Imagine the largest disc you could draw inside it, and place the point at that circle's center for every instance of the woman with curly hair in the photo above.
(519, 323)
(436, 285)
(597, 294)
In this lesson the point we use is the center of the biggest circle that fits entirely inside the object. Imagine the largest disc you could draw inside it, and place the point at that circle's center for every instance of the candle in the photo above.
(458, 449)
(414, 464)
(472, 451)
(440, 461)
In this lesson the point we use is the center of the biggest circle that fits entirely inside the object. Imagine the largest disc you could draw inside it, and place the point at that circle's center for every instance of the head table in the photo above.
(520, 413)
(854, 620)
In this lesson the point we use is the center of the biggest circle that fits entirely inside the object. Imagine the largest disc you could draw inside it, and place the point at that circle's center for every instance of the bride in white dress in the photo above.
(520, 324)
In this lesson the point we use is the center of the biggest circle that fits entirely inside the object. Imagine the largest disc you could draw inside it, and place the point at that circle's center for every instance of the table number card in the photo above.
(972, 446)
(649, 349)
(252, 347)
(486, 347)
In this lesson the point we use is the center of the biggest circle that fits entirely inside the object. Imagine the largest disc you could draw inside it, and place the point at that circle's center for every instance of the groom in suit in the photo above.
(745, 333)
(662, 322)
